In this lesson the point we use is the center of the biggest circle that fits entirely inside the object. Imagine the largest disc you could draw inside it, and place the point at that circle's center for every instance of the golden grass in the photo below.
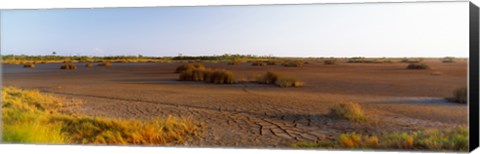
(217, 76)
(32, 117)
(348, 111)
(452, 139)
(274, 78)
(185, 67)
(68, 66)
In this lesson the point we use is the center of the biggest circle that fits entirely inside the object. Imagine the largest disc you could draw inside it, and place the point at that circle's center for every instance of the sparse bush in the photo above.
(217, 76)
(288, 82)
(448, 60)
(258, 63)
(418, 66)
(89, 65)
(69, 66)
(235, 62)
(460, 95)
(293, 64)
(185, 67)
(29, 65)
(268, 78)
(348, 111)
(105, 64)
(330, 61)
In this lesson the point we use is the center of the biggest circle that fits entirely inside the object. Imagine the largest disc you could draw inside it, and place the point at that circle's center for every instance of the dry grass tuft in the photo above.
(259, 63)
(69, 66)
(293, 64)
(348, 111)
(29, 65)
(105, 64)
(185, 67)
(89, 65)
(460, 95)
(418, 66)
(274, 78)
(217, 76)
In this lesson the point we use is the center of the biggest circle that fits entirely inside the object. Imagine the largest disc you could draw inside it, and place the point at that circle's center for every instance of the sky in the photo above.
(321, 30)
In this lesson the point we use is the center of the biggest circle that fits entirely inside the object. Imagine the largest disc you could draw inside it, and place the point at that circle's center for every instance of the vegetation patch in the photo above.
(69, 66)
(460, 95)
(293, 64)
(348, 111)
(418, 66)
(235, 62)
(453, 139)
(274, 78)
(32, 117)
(330, 61)
(448, 60)
(217, 76)
(89, 65)
(104, 64)
(259, 63)
(29, 65)
(189, 66)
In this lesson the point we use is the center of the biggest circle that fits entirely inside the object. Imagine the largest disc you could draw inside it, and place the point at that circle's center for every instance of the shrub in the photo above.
(185, 67)
(293, 64)
(69, 66)
(448, 60)
(288, 82)
(330, 61)
(459, 95)
(268, 78)
(235, 62)
(272, 62)
(348, 111)
(258, 63)
(105, 64)
(418, 66)
(89, 65)
(217, 76)
(29, 65)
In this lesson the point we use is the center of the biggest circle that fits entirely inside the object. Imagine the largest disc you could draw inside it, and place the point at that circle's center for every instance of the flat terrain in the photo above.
(256, 115)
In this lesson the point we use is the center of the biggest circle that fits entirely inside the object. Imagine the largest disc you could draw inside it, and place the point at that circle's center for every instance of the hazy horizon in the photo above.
(393, 30)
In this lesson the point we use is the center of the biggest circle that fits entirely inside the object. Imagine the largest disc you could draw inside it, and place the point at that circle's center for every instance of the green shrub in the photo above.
(348, 111)
(69, 66)
(460, 95)
(418, 66)
(29, 65)
(185, 67)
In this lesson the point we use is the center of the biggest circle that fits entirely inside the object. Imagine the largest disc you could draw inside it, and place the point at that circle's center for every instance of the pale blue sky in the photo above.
(326, 30)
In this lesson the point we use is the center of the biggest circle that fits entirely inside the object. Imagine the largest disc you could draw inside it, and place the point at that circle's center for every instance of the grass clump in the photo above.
(69, 66)
(259, 63)
(89, 65)
(330, 61)
(418, 66)
(104, 64)
(217, 76)
(348, 111)
(185, 67)
(29, 65)
(452, 139)
(460, 95)
(274, 78)
(32, 117)
(293, 64)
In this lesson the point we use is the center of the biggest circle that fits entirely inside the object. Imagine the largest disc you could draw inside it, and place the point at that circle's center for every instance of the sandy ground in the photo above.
(254, 115)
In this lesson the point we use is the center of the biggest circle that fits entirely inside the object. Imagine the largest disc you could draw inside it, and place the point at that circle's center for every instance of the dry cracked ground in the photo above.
(255, 115)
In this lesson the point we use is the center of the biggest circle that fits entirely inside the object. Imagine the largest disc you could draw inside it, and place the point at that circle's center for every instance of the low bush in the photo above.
(330, 61)
(185, 67)
(293, 64)
(268, 78)
(348, 111)
(217, 76)
(288, 82)
(274, 78)
(69, 66)
(29, 65)
(418, 66)
(460, 95)
(105, 64)
(259, 63)
(89, 65)
(235, 62)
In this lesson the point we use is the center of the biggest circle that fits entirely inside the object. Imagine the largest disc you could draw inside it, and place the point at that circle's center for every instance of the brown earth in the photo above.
(255, 115)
